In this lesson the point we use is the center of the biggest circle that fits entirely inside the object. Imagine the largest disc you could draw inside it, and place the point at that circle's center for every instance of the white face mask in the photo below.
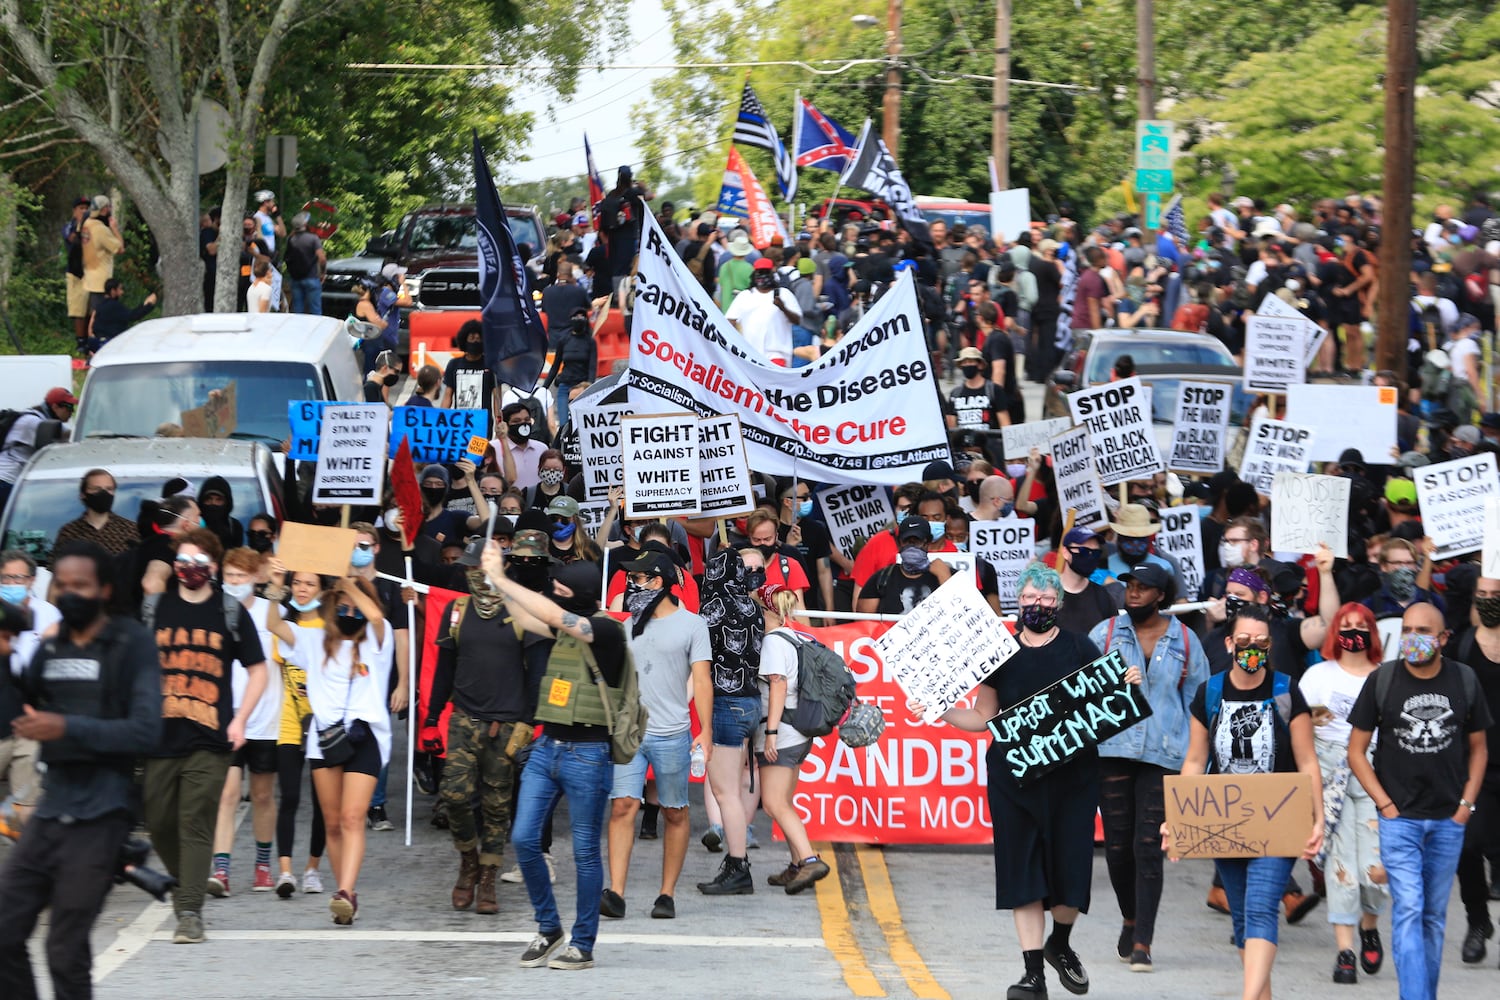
(239, 591)
(1231, 554)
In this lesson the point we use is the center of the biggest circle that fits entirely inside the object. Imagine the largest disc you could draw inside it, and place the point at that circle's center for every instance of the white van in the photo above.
(225, 375)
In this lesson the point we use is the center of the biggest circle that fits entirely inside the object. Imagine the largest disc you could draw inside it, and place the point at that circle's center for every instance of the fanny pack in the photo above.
(339, 741)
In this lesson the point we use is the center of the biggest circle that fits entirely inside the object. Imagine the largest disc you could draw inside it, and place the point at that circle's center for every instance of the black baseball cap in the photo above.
(1149, 575)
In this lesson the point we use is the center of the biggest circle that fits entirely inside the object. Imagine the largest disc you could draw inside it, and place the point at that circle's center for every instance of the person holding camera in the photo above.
(93, 701)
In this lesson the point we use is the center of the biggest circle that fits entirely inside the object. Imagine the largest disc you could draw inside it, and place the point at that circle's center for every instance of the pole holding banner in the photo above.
(413, 673)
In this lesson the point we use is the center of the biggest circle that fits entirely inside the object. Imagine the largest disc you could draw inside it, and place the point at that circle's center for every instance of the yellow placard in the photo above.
(559, 693)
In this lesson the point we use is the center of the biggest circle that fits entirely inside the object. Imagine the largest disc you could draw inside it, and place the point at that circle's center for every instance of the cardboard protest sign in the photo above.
(1274, 446)
(1274, 348)
(1309, 510)
(661, 464)
(1050, 728)
(1077, 486)
(1239, 815)
(599, 443)
(1008, 545)
(437, 435)
(312, 548)
(1345, 416)
(305, 417)
(855, 514)
(1201, 427)
(216, 418)
(723, 472)
(941, 649)
(1019, 439)
(1118, 419)
(351, 455)
(1181, 537)
(959, 562)
(1451, 496)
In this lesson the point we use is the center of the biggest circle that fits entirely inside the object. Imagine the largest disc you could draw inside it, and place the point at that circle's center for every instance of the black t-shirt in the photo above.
(609, 653)
(998, 347)
(473, 385)
(1422, 747)
(1250, 737)
(197, 652)
(899, 593)
(816, 545)
(372, 392)
(302, 256)
(206, 236)
(1488, 672)
(1035, 668)
(489, 679)
(979, 407)
(1080, 612)
(558, 304)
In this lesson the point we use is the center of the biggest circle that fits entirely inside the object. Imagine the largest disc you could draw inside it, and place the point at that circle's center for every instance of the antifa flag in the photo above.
(515, 342)
(873, 169)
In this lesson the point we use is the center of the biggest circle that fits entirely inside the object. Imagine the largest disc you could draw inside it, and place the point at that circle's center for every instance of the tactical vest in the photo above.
(568, 695)
(89, 685)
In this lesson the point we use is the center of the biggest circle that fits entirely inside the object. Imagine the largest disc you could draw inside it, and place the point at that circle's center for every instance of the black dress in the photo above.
(1044, 831)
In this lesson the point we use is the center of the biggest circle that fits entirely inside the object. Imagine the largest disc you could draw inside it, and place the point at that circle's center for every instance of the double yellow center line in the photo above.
(837, 913)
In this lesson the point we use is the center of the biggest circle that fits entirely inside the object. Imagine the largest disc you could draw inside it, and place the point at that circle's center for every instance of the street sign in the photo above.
(1153, 211)
(1153, 181)
(1153, 156)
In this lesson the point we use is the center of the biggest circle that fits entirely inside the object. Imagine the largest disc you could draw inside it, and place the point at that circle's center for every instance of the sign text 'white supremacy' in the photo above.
(867, 411)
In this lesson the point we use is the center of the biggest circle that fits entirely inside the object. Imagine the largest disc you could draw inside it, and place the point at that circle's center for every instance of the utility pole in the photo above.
(890, 129)
(1000, 123)
(1392, 302)
(1145, 58)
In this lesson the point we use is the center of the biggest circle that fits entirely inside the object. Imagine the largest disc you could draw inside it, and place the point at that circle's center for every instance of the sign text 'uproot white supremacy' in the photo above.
(867, 411)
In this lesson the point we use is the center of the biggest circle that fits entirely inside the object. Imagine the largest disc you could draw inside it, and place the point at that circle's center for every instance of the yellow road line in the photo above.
(882, 896)
(838, 933)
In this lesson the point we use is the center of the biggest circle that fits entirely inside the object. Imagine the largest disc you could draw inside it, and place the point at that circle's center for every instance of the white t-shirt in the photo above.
(1333, 687)
(778, 657)
(765, 326)
(23, 646)
(258, 298)
(1459, 352)
(267, 227)
(337, 696)
(265, 722)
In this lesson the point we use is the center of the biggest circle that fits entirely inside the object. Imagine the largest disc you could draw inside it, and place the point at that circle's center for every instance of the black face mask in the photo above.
(434, 495)
(390, 379)
(532, 577)
(349, 625)
(580, 326)
(765, 283)
(474, 348)
(520, 433)
(768, 551)
(78, 612)
(754, 579)
(970, 371)
(1140, 614)
(215, 515)
(100, 501)
(260, 541)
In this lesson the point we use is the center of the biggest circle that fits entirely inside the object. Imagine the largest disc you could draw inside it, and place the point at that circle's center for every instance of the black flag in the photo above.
(515, 342)
(873, 169)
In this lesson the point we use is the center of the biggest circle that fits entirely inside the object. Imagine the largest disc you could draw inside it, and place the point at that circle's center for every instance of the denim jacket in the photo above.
(1161, 738)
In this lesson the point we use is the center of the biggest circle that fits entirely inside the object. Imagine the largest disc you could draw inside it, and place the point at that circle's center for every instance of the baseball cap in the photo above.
(61, 395)
(914, 528)
(1149, 575)
(1468, 434)
(653, 562)
(1079, 536)
(971, 354)
(581, 219)
(562, 506)
(392, 271)
(473, 551)
(263, 195)
(937, 469)
(1400, 491)
(100, 202)
(764, 264)
(529, 543)
(806, 266)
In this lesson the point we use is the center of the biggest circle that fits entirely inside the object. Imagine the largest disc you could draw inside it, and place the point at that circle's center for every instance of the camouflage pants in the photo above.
(478, 766)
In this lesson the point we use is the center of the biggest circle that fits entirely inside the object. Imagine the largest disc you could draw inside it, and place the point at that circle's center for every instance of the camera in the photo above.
(131, 867)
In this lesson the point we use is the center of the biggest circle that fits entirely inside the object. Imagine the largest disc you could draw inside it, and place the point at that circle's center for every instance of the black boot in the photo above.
(733, 880)
(1033, 986)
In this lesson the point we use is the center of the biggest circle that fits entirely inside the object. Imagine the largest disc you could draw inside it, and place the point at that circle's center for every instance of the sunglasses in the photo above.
(364, 546)
(640, 579)
(198, 560)
(1246, 642)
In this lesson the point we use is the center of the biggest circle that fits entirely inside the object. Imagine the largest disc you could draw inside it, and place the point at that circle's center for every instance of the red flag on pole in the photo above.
(408, 493)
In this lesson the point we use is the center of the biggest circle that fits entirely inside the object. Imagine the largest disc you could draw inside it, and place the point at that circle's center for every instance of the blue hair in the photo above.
(1041, 576)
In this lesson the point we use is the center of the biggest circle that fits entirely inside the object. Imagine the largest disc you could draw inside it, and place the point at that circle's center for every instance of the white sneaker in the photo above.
(514, 874)
(312, 881)
(286, 885)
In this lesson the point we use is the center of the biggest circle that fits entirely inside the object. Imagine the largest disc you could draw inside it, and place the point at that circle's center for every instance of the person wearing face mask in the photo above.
(1135, 543)
(765, 314)
(216, 504)
(1087, 601)
(398, 616)
(523, 444)
(976, 402)
(1044, 831)
(468, 382)
(99, 523)
(1294, 637)
(782, 565)
(383, 378)
(809, 538)
(1133, 764)
(198, 642)
(654, 535)
(18, 755)
(997, 499)
(439, 522)
(261, 532)
(1253, 720)
(568, 544)
(898, 588)
(1400, 566)
(552, 478)
(1429, 716)
(577, 361)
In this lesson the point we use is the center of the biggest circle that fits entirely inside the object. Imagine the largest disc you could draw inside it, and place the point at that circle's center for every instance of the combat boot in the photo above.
(733, 880)
(485, 901)
(468, 874)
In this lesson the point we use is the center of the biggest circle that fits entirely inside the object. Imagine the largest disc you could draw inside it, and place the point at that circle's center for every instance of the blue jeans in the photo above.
(1254, 887)
(1420, 858)
(378, 797)
(670, 758)
(307, 296)
(582, 772)
(736, 718)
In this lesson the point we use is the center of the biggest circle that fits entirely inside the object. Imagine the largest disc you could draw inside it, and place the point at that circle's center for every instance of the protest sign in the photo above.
(1490, 560)
(941, 649)
(1345, 416)
(1050, 728)
(1007, 545)
(855, 514)
(306, 419)
(867, 411)
(722, 472)
(1019, 439)
(216, 418)
(1239, 815)
(1451, 496)
(591, 516)
(351, 455)
(312, 548)
(1274, 446)
(1181, 537)
(1119, 423)
(959, 562)
(661, 464)
(1077, 486)
(1200, 428)
(1309, 510)
(437, 435)
(1274, 347)
(599, 443)
(1313, 334)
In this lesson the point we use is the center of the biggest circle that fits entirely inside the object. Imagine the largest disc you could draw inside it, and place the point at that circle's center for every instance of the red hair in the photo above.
(1366, 618)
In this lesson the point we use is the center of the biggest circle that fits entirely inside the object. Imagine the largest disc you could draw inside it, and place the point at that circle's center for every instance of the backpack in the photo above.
(1281, 698)
(1386, 673)
(231, 605)
(825, 687)
(627, 725)
(7, 421)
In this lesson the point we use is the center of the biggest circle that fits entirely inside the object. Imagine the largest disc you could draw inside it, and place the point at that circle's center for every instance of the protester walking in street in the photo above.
(1479, 647)
(302, 597)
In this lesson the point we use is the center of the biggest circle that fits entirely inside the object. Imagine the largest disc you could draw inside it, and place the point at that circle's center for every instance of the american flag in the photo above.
(753, 128)
(1175, 221)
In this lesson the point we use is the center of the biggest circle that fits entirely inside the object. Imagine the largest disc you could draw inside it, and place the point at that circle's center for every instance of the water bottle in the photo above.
(699, 766)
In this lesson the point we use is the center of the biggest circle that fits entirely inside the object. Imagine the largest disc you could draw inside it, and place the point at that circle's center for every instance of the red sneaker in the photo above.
(263, 881)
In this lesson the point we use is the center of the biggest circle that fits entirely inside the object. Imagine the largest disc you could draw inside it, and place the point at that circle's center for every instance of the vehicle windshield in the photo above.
(1102, 356)
(40, 507)
(1164, 392)
(958, 217)
(250, 402)
(459, 232)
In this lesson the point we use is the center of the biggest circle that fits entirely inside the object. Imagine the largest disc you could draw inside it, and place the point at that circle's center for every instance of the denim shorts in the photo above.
(669, 757)
(735, 718)
(790, 757)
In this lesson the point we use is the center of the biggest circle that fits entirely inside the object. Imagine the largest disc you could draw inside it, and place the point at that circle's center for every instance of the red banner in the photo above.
(764, 223)
(433, 621)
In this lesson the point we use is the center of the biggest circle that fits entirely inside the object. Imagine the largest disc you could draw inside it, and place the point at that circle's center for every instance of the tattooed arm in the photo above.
(535, 613)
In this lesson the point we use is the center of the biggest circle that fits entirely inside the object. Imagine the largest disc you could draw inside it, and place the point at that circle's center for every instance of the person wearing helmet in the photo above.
(268, 219)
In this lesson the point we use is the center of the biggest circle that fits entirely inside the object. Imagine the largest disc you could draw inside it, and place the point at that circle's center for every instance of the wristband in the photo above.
(1468, 804)
(773, 732)
(1384, 807)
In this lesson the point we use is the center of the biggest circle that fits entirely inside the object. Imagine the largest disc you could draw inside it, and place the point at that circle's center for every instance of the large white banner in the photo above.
(866, 412)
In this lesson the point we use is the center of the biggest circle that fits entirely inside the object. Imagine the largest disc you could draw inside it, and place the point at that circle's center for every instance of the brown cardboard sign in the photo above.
(312, 548)
(1239, 815)
(216, 418)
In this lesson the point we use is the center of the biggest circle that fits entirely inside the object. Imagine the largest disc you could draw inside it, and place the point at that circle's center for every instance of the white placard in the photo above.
(855, 514)
(959, 562)
(591, 515)
(1346, 416)
(600, 445)
(1309, 510)
(1490, 560)
(1078, 487)
(944, 647)
(1181, 537)
(1008, 545)
(1274, 446)
(1019, 439)
(1010, 214)
(1118, 417)
(1201, 427)
(1274, 306)
(661, 464)
(1451, 497)
(1274, 348)
(722, 470)
(351, 455)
